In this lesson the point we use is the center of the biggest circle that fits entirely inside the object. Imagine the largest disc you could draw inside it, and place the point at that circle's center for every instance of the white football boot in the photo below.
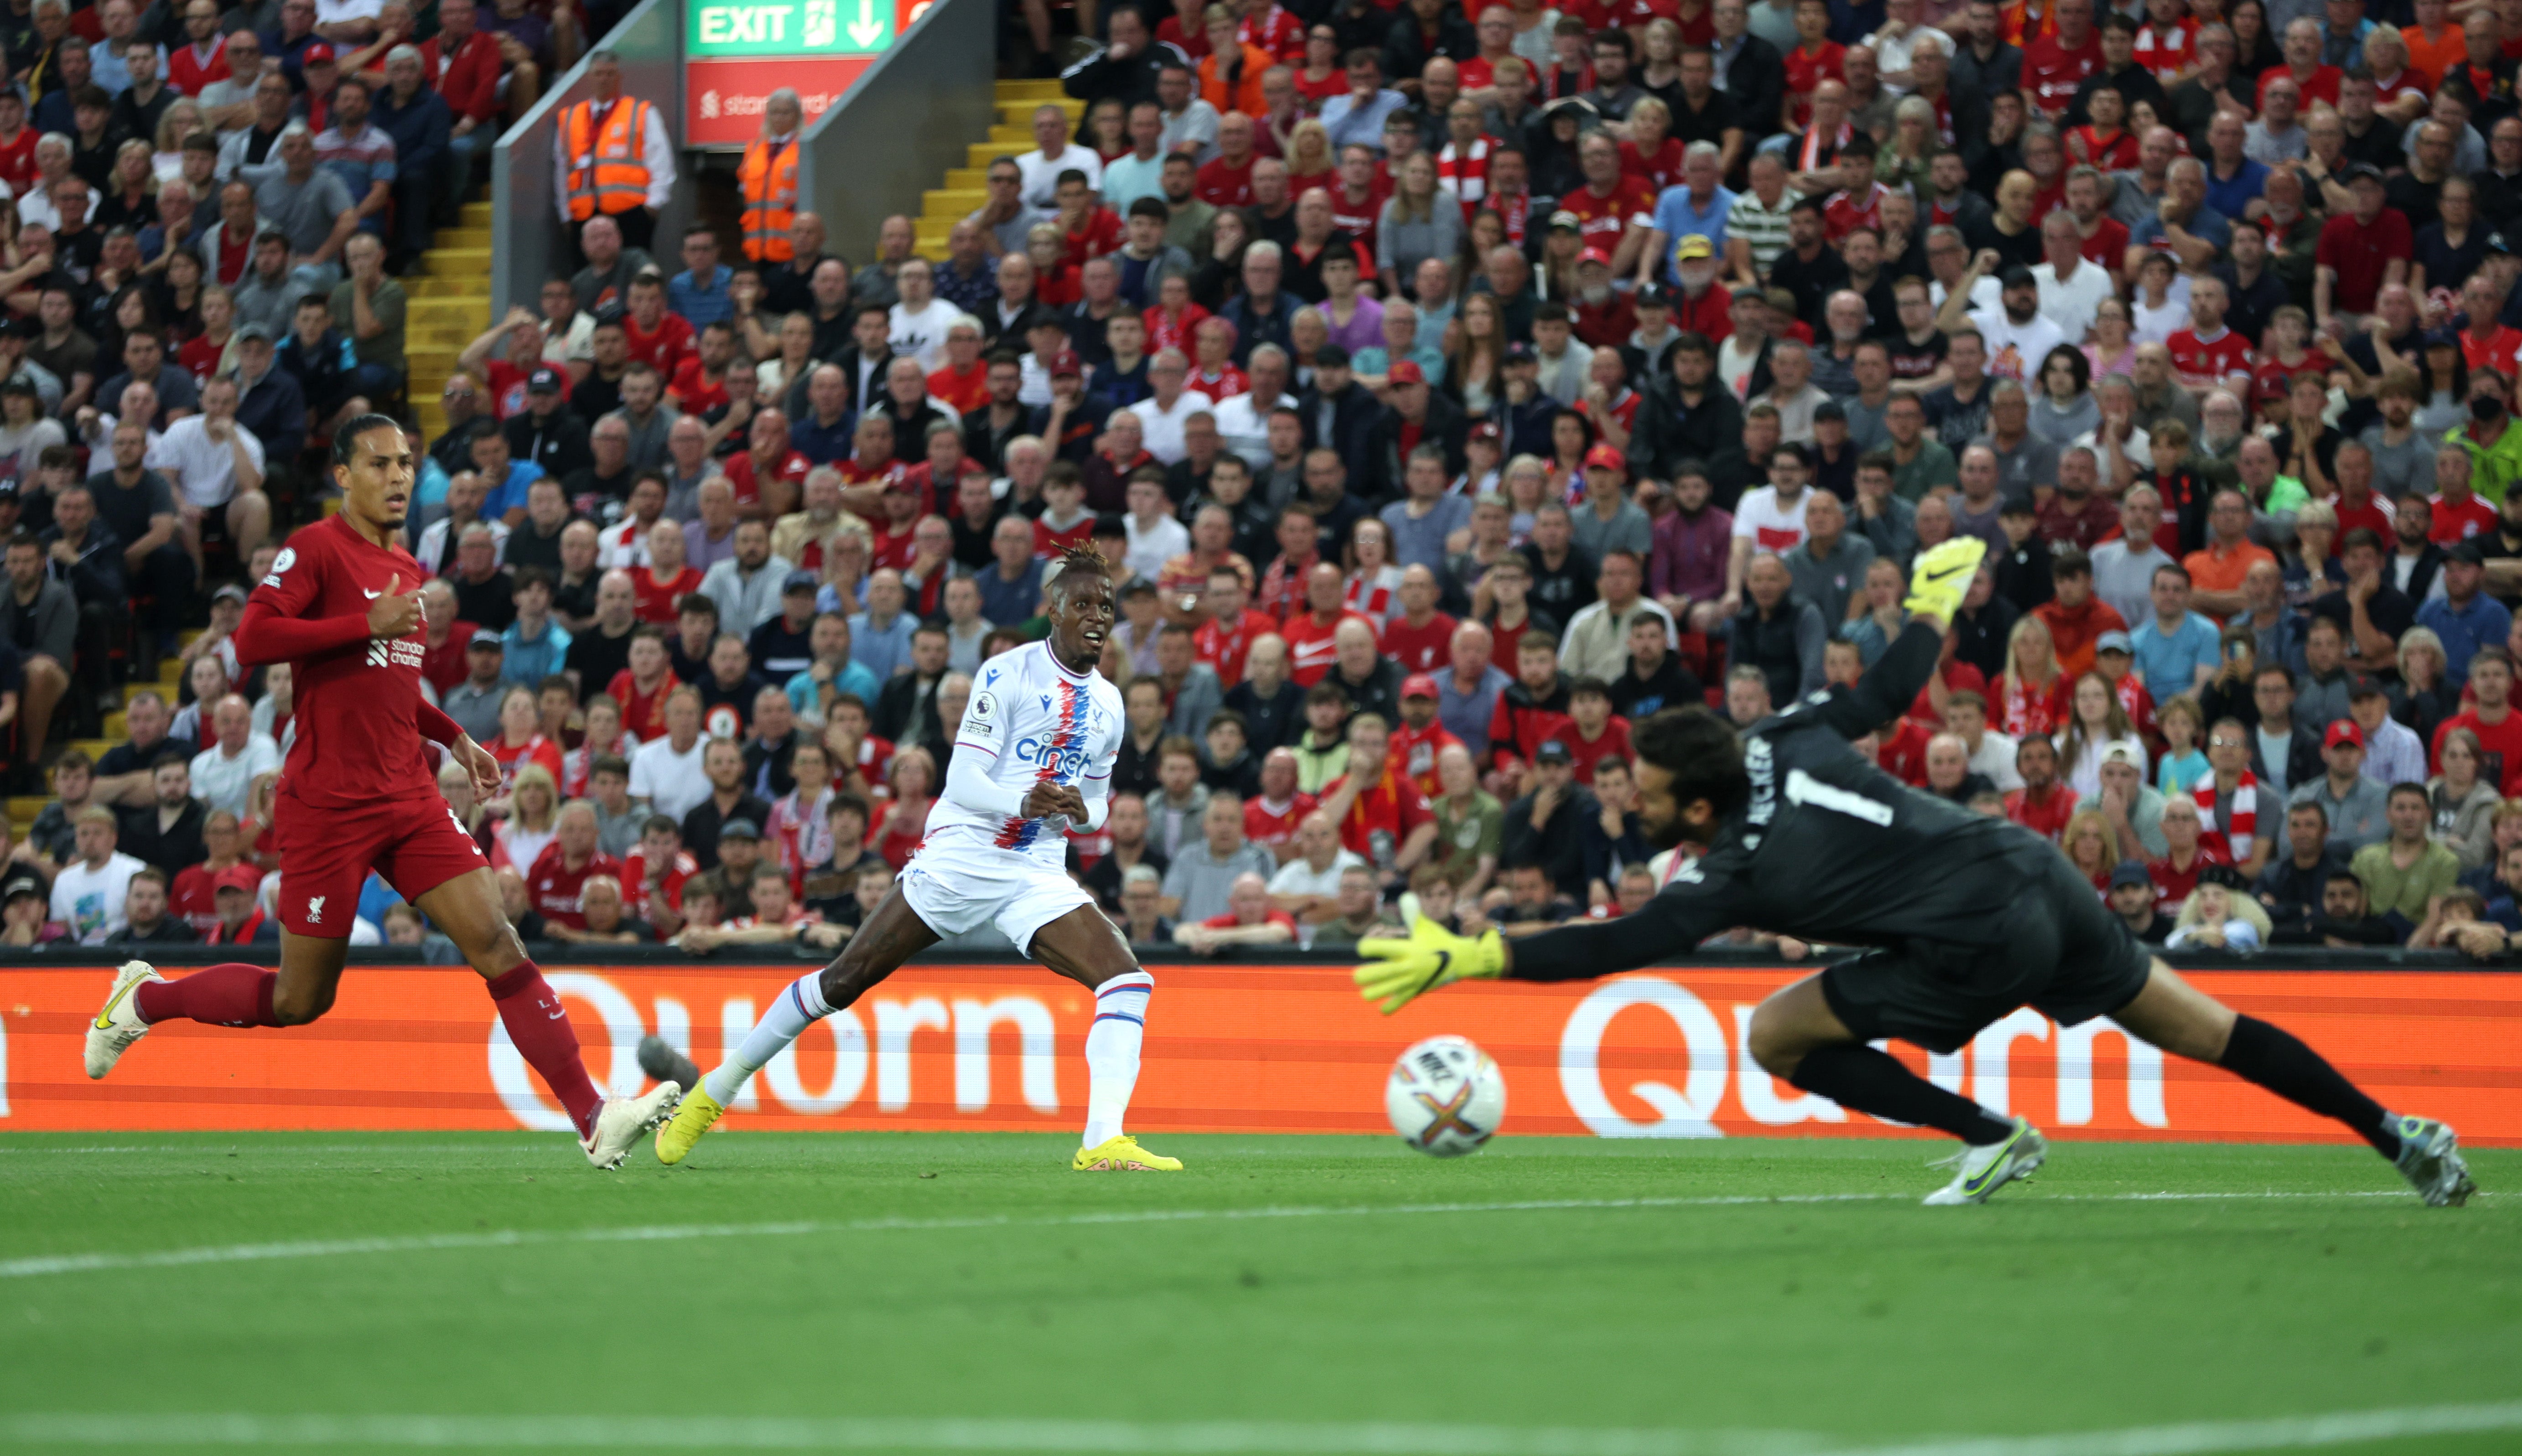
(1981, 1171)
(119, 1025)
(622, 1120)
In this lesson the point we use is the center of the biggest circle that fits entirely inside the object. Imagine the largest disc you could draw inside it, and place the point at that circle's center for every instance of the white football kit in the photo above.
(1029, 721)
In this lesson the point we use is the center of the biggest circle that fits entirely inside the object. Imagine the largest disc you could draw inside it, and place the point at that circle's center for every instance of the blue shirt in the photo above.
(2231, 195)
(1004, 603)
(2482, 624)
(1677, 219)
(530, 661)
(1376, 360)
(702, 303)
(2169, 664)
(1351, 124)
(805, 694)
(819, 445)
(511, 493)
(882, 651)
(2209, 225)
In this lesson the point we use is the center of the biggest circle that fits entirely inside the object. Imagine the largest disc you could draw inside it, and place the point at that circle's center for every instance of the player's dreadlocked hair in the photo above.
(1084, 556)
(346, 439)
(1699, 750)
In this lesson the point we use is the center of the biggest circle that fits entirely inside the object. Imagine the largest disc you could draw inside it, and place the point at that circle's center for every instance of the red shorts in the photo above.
(326, 854)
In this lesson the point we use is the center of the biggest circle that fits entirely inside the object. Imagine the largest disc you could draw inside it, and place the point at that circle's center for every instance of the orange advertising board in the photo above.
(1235, 1049)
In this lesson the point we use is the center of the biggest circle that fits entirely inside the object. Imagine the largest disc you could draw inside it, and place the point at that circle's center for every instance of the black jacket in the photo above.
(1670, 433)
(2292, 893)
(558, 445)
(1407, 50)
(1355, 415)
(97, 577)
(170, 850)
(1445, 425)
(1558, 846)
(2304, 763)
(1128, 82)
(1273, 722)
(1756, 84)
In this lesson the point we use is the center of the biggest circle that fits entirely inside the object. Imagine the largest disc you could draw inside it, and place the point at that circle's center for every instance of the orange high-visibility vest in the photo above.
(768, 178)
(608, 171)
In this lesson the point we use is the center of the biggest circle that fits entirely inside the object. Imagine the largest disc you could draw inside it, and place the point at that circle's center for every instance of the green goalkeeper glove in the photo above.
(1942, 576)
(1401, 970)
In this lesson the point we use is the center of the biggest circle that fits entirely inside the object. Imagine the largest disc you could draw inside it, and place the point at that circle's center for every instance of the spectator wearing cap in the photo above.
(1417, 414)
(2357, 250)
(547, 433)
(2465, 617)
(270, 406)
(782, 645)
(2357, 806)
(1545, 827)
(1609, 520)
(473, 703)
(2131, 897)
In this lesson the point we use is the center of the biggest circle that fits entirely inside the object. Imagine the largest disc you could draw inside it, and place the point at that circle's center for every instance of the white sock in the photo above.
(1112, 1053)
(791, 1012)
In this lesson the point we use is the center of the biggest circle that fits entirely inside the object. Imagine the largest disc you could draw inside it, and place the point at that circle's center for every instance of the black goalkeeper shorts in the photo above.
(2063, 954)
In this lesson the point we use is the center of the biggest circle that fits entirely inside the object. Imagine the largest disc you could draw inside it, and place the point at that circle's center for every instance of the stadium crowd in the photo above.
(1446, 388)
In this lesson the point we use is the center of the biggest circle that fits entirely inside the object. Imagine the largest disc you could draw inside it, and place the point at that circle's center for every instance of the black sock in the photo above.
(2278, 1060)
(1855, 1075)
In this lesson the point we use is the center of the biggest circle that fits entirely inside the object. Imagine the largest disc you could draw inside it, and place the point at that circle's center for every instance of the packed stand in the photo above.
(1448, 390)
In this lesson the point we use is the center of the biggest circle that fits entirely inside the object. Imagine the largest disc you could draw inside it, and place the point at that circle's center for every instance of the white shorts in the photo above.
(955, 889)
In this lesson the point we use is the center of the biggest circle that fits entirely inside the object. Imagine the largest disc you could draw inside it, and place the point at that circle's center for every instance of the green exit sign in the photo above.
(790, 27)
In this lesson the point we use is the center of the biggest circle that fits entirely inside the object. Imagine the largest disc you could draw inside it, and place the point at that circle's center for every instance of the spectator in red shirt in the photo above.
(2493, 719)
(769, 476)
(1383, 817)
(1249, 920)
(2042, 804)
(658, 339)
(1420, 735)
(2056, 64)
(2359, 251)
(1226, 179)
(1226, 638)
(698, 385)
(462, 63)
(2175, 874)
(1594, 731)
(1419, 636)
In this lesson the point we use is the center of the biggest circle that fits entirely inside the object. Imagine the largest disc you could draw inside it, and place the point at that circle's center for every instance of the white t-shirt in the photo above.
(1151, 546)
(672, 783)
(1297, 878)
(1770, 525)
(2015, 350)
(223, 782)
(1160, 431)
(2070, 304)
(1041, 177)
(90, 901)
(1243, 423)
(1735, 365)
(922, 335)
(202, 469)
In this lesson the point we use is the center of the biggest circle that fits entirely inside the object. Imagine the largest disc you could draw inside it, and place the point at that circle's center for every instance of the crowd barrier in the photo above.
(1244, 1048)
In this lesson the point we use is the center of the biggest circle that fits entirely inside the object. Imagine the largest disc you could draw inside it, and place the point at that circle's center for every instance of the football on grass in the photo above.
(1445, 1097)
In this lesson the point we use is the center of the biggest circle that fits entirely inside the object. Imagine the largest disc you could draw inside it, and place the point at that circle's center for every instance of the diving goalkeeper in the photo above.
(1968, 918)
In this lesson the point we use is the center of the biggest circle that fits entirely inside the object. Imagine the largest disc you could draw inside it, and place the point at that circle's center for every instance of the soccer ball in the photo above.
(1445, 1097)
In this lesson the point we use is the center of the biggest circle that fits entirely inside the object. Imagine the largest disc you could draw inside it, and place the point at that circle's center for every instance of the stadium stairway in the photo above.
(967, 187)
(450, 306)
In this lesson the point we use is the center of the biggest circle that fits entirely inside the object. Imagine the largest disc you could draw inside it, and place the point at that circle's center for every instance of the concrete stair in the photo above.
(965, 188)
(451, 307)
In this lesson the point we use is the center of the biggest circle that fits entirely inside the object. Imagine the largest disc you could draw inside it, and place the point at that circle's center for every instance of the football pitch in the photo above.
(1551, 1296)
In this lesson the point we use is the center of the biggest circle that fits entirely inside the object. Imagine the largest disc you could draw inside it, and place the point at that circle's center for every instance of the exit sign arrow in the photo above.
(866, 29)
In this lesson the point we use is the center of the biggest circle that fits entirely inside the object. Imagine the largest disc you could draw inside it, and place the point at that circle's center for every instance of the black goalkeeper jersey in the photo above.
(1827, 848)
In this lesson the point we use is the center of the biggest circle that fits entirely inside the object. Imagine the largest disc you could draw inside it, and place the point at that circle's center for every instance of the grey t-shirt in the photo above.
(1200, 880)
(303, 212)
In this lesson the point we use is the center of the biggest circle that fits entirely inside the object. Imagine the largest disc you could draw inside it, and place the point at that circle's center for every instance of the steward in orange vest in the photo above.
(768, 177)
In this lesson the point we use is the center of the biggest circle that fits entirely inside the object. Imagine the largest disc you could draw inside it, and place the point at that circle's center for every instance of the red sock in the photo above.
(230, 995)
(540, 1027)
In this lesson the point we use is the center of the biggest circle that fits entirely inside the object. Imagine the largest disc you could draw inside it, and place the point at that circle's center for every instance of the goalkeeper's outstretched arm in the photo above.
(1673, 922)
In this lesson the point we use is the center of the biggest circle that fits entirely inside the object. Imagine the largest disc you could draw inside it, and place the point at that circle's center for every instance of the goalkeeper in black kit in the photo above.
(1966, 918)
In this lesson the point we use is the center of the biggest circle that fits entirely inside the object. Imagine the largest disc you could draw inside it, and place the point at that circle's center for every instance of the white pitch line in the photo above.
(1213, 1438)
(40, 1265)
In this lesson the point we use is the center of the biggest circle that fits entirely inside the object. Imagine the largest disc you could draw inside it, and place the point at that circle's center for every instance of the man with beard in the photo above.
(1687, 416)
(1834, 859)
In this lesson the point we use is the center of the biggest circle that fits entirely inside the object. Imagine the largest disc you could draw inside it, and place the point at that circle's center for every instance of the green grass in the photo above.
(998, 1290)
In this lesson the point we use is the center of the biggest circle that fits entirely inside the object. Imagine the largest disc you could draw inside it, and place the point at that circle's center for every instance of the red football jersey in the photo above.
(2208, 358)
(1265, 827)
(635, 881)
(740, 474)
(358, 737)
(643, 714)
(558, 892)
(1416, 751)
(1419, 649)
(1600, 220)
(1584, 755)
(2051, 73)
(657, 599)
(2455, 523)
